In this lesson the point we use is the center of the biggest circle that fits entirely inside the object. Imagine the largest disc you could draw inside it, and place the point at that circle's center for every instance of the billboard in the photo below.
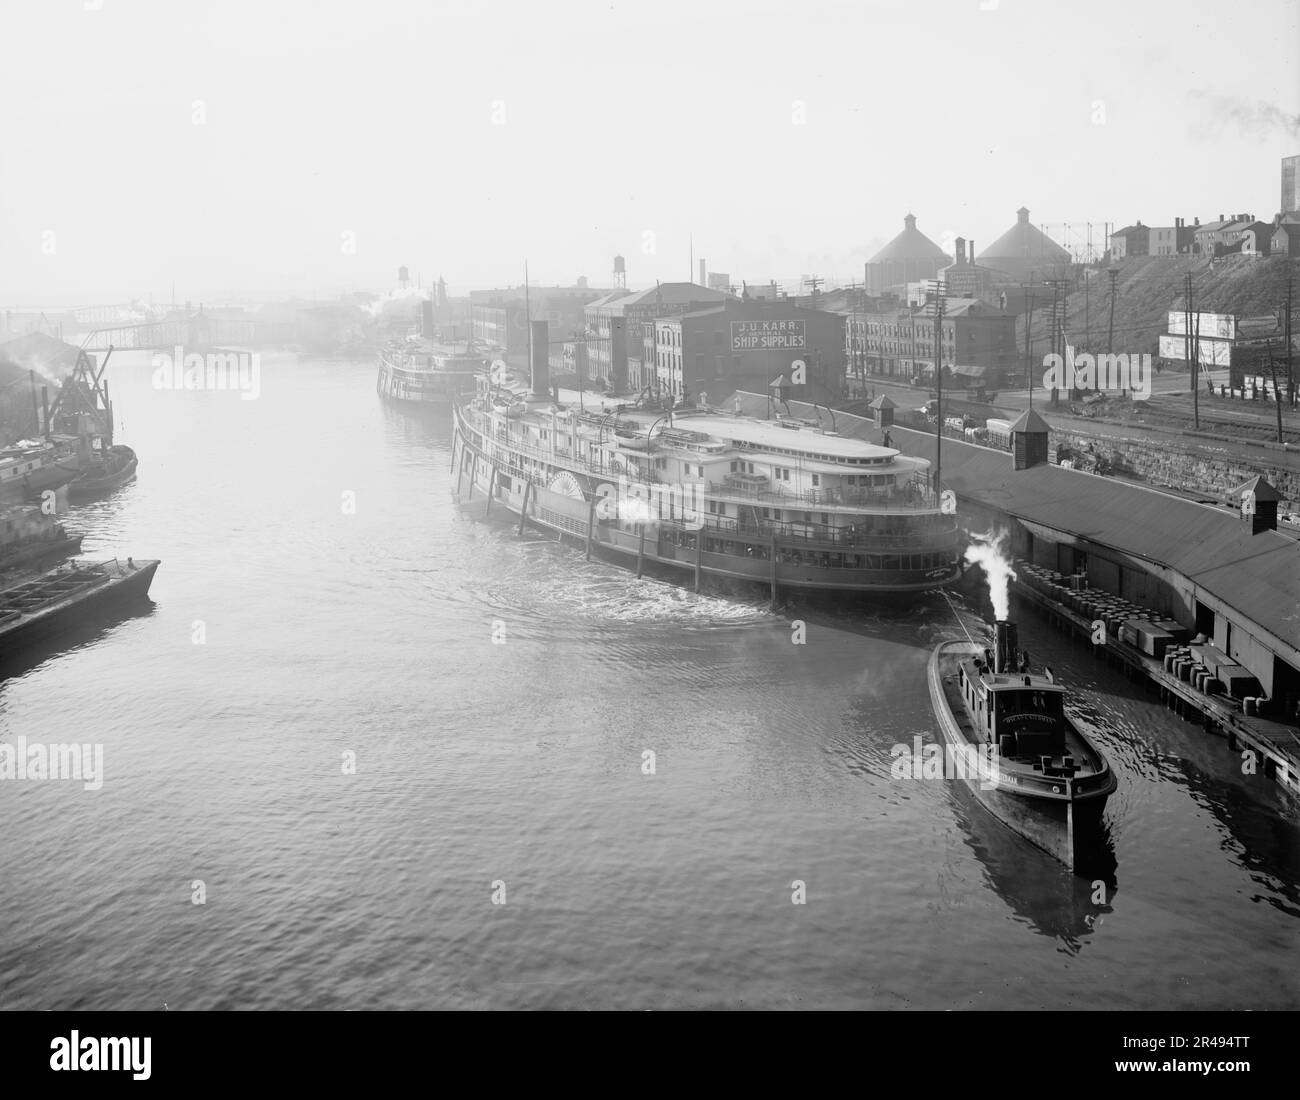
(720, 280)
(768, 336)
(1213, 353)
(1223, 326)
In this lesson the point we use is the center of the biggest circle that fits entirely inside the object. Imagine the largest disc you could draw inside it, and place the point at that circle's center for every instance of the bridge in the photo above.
(197, 330)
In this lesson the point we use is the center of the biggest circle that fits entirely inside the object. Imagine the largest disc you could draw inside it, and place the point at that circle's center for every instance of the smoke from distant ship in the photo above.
(1257, 119)
(376, 308)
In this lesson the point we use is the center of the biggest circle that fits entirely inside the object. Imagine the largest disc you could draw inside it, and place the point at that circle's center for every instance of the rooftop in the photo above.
(910, 244)
(1258, 575)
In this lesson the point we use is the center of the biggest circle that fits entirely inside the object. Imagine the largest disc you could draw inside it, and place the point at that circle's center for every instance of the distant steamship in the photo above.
(779, 501)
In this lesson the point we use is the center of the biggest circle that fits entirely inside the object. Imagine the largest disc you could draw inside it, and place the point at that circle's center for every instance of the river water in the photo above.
(312, 731)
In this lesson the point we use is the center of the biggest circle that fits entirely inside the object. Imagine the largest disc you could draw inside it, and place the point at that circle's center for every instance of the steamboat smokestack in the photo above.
(426, 318)
(1005, 655)
(541, 364)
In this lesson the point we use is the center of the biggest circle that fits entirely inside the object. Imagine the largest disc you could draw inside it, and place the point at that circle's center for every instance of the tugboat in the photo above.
(1050, 783)
(110, 472)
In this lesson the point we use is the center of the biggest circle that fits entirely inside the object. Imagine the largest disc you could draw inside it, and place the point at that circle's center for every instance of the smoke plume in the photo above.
(989, 552)
(1255, 120)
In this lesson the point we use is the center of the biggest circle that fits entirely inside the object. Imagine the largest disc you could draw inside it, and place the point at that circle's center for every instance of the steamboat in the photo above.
(776, 501)
(1046, 780)
(417, 373)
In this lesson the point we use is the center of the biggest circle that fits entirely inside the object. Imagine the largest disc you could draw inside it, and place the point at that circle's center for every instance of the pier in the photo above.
(1275, 745)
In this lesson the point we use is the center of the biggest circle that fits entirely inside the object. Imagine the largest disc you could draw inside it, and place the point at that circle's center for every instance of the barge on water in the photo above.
(1045, 779)
(421, 374)
(50, 602)
(30, 468)
(779, 502)
(30, 538)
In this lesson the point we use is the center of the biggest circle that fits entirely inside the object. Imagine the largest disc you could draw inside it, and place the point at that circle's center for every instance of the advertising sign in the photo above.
(768, 336)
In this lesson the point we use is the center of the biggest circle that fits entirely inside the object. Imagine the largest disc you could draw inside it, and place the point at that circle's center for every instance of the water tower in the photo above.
(620, 272)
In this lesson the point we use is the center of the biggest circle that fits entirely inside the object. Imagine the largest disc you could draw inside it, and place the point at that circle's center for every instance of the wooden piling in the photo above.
(523, 511)
(591, 524)
(699, 549)
(640, 548)
(773, 571)
(492, 491)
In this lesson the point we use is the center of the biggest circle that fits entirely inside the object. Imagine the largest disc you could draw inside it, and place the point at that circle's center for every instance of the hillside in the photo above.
(1148, 287)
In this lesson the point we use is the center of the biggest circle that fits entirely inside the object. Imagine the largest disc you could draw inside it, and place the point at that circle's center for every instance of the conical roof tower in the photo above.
(909, 257)
(1024, 252)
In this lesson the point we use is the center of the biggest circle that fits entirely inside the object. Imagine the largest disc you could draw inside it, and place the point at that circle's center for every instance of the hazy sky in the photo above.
(231, 146)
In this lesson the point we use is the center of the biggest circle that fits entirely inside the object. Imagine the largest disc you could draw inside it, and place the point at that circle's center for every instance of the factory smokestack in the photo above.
(704, 281)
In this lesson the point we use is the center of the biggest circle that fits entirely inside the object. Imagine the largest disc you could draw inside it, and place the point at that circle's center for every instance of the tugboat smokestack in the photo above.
(1006, 642)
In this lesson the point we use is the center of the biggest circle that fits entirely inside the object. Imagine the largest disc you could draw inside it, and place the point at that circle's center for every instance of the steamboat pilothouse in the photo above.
(778, 501)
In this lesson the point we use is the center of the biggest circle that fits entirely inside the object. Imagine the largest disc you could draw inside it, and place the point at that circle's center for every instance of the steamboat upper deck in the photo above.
(781, 501)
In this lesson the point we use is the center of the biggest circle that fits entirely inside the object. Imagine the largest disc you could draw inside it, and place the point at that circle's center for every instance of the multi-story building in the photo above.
(964, 278)
(1286, 236)
(501, 316)
(1132, 240)
(977, 347)
(1223, 234)
(1290, 193)
(1256, 239)
(1172, 240)
(739, 345)
(615, 339)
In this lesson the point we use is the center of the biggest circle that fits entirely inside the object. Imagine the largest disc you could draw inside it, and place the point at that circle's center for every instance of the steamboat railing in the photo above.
(916, 494)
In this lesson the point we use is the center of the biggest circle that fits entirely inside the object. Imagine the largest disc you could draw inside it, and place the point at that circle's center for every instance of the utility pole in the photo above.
(1290, 375)
(938, 392)
(1277, 394)
(1194, 320)
(1087, 321)
(1191, 350)
(1029, 370)
(1110, 325)
(1058, 332)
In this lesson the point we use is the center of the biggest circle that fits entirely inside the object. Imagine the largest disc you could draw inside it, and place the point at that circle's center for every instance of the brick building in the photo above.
(978, 343)
(739, 345)
(615, 337)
